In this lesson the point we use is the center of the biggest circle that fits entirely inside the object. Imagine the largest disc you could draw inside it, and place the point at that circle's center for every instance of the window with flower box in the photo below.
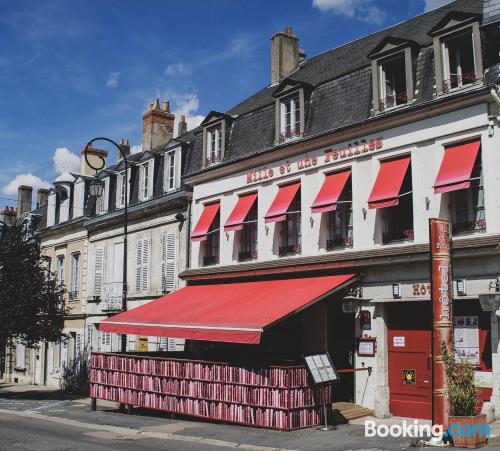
(292, 230)
(212, 243)
(248, 235)
(340, 221)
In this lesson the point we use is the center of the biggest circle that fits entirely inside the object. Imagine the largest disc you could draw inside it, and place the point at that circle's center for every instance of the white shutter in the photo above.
(151, 178)
(138, 271)
(168, 247)
(145, 265)
(98, 270)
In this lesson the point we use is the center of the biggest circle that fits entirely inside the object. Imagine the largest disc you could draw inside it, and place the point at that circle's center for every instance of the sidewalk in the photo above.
(54, 406)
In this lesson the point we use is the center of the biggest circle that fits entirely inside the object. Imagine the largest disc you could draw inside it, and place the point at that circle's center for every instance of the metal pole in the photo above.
(125, 220)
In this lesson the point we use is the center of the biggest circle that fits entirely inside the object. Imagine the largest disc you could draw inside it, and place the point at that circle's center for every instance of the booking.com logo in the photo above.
(417, 430)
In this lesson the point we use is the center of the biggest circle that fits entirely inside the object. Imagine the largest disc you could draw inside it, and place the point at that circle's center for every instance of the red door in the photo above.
(410, 365)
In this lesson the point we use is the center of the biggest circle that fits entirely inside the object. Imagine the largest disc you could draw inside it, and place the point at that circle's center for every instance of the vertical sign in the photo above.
(442, 313)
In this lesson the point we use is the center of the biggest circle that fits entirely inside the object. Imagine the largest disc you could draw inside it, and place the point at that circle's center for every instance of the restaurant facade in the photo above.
(311, 205)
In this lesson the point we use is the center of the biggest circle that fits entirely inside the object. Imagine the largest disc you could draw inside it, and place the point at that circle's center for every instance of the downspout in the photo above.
(188, 233)
(496, 98)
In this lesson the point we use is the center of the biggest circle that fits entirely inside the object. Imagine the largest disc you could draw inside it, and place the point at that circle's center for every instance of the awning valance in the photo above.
(456, 168)
(279, 207)
(240, 212)
(387, 187)
(329, 194)
(230, 312)
(203, 225)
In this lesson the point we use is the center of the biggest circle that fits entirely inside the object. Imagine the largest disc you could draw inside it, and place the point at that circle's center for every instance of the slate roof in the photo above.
(341, 95)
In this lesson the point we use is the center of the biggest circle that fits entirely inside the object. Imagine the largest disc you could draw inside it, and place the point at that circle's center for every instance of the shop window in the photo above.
(467, 205)
(212, 243)
(214, 145)
(392, 82)
(291, 231)
(340, 221)
(290, 123)
(458, 61)
(398, 220)
(248, 234)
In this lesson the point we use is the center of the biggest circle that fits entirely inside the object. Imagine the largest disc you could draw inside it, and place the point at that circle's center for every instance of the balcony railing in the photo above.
(210, 260)
(293, 133)
(111, 296)
(391, 237)
(213, 160)
(477, 225)
(247, 255)
(290, 250)
(457, 81)
(392, 101)
(74, 295)
(338, 242)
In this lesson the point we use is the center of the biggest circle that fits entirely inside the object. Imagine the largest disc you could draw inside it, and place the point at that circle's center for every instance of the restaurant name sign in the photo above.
(329, 155)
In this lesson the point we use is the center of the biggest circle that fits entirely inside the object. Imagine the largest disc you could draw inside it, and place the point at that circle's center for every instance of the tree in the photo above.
(31, 302)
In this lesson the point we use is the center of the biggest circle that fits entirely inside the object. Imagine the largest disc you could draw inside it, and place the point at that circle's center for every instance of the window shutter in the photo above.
(145, 265)
(168, 261)
(98, 270)
(150, 178)
(138, 271)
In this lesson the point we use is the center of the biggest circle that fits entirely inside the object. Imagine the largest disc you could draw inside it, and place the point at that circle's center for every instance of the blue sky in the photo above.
(73, 70)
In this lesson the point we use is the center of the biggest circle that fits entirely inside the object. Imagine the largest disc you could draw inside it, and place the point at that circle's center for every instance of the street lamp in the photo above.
(97, 187)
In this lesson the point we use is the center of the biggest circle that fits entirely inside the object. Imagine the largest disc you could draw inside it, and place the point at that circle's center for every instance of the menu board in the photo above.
(321, 368)
(467, 339)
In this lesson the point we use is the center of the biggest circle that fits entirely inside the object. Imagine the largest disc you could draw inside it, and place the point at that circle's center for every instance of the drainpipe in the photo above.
(492, 117)
(496, 98)
(188, 233)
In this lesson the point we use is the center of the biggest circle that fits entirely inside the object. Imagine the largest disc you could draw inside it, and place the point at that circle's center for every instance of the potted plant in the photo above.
(467, 429)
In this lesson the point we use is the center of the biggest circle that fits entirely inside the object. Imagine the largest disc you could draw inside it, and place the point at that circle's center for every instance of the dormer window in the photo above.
(392, 81)
(214, 142)
(457, 51)
(290, 118)
(146, 180)
(120, 189)
(214, 137)
(171, 181)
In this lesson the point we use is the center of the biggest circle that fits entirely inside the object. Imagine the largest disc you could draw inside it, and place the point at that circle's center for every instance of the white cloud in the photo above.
(187, 105)
(179, 68)
(65, 161)
(113, 80)
(433, 4)
(136, 148)
(24, 179)
(363, 10)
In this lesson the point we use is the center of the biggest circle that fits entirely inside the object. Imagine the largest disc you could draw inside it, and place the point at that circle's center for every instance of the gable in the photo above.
(453, 20)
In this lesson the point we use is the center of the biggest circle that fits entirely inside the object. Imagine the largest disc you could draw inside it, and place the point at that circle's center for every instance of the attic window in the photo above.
(290, 118)
(214, 144)
(392, 82)
(458, 61)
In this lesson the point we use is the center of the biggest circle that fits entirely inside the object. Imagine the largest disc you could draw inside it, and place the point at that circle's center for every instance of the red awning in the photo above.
(277, 210)
(230, 312)
(456, 167)
(329, 194)
(385, 191)
(240, 212)
(203, 226)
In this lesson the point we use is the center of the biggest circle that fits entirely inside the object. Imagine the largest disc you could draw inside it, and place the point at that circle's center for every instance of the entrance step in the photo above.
(342, 412)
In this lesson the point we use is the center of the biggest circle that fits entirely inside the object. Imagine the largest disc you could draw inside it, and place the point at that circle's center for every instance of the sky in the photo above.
(74, 70)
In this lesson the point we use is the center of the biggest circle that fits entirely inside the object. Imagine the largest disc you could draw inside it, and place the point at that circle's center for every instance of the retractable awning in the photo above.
(277, 210)
(231, 312)
(203, 225)
(387, 187)
(329, 194)
(240, 212)
(456, 168)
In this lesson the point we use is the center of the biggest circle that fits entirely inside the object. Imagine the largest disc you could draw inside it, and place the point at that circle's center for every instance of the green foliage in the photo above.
(31, 303)
(461, 386)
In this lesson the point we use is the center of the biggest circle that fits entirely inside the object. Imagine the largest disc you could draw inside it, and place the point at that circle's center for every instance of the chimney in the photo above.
(8, 215)
(95, 157)
(158, 125)
(182, 126)
(42, 197)
(125, 146)
(24, 196)
(285, 55)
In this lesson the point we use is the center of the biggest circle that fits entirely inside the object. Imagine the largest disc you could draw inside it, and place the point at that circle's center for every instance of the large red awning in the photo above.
(385, 191)
(203, 225)
(277, 210)
(456, 167)
(231, 312)
(240, 212)
(329, 194)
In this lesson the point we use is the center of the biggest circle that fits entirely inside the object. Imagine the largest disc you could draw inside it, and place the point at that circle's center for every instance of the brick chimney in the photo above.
(95, 157)
(8, 215)
(158, 125)
(285, 55)
(182, 126)
(42, 197)
(24, 196)
(125, 146)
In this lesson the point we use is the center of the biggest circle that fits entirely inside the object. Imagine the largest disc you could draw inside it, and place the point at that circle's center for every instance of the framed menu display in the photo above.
(321, 368)
(467, 339)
